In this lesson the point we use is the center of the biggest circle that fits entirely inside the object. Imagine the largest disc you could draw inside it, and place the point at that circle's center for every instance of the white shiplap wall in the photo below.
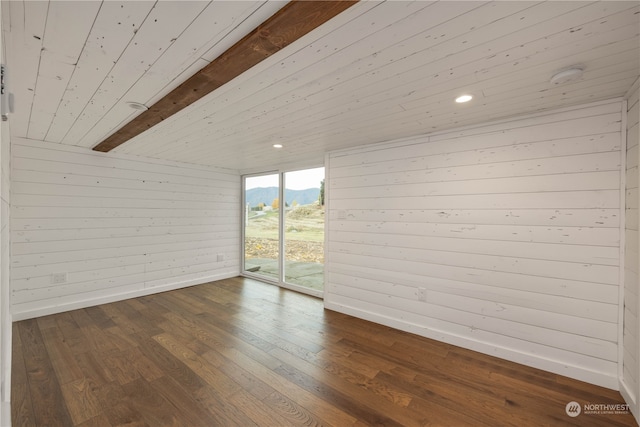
(631, 348)
(502, 238)
(5, 312)
(117, 225)
(5, 316)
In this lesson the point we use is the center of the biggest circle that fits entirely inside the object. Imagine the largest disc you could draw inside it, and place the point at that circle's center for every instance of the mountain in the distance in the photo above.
(266, 195)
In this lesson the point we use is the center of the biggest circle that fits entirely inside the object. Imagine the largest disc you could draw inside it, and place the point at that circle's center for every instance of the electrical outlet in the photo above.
(422, 294)
(57, 278)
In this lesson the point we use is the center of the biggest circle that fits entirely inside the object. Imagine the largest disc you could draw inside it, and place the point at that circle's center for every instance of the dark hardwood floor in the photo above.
(242, 353)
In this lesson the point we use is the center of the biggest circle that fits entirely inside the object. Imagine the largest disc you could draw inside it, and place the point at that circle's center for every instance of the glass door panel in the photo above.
(262, 226)
(304, 228)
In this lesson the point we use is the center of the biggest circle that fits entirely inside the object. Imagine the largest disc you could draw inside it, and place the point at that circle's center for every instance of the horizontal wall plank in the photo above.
(57, 183)
(558, 199)
(90, 172)
(33, 289)
(503, 236)
(633, 132)
(464, 273)
(115, 225)
(103, 253)
(581, 126)
(117, 242)
(113, 285)
(591, 236)
(600, 349)
(542, 292)
(631, 341)
(550, 268)
(542, 151)
(604, 255)
(34, 150)
(631, 309)
(633, 112)
(631, 323)
(182, 257)
(60, 235)
(29, 200)
(631, 198)
(545, 183)
(57, 224)
(630, 265)
(631, 177)
(607, 161)
(116, 212)
(632, 156)
(519, 306)
(609, 218)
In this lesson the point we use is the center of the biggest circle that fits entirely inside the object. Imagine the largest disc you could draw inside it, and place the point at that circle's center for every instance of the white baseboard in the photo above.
(5, 414)
(513, 355)
(631, 399)
(46, 310)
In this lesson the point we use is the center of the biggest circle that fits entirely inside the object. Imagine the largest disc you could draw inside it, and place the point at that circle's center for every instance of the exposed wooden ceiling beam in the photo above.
(287, 25)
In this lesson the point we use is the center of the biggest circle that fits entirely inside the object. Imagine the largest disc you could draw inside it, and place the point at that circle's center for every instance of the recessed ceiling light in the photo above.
(137, 106)
(464, 98)
(277, 145)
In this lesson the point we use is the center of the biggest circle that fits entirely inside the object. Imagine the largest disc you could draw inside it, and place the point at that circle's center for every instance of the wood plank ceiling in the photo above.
(287, 25)
(377, 71)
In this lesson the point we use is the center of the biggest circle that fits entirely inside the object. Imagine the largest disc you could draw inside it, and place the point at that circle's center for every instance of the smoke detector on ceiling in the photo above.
(137, 106)
(567, 75)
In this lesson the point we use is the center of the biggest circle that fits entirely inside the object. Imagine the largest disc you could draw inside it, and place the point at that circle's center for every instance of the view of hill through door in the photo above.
(304, 228)
(284, 229)
(262, 226)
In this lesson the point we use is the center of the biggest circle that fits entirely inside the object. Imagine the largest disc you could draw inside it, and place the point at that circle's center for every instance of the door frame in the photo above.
(280, 281)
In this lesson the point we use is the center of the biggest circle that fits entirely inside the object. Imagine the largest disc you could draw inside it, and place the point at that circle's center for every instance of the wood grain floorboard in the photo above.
(238, 352)
(49, 408)
(21, 407)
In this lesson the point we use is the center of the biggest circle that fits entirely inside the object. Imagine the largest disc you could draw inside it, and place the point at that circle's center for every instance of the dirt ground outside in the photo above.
(304, 234)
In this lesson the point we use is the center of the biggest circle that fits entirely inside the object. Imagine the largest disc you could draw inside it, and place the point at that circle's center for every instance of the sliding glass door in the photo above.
(284, 229)
(262, 226)
(304, 229)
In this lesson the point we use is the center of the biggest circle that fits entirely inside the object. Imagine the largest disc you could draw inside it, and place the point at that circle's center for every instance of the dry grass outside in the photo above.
(304, 234)
(295, 250)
